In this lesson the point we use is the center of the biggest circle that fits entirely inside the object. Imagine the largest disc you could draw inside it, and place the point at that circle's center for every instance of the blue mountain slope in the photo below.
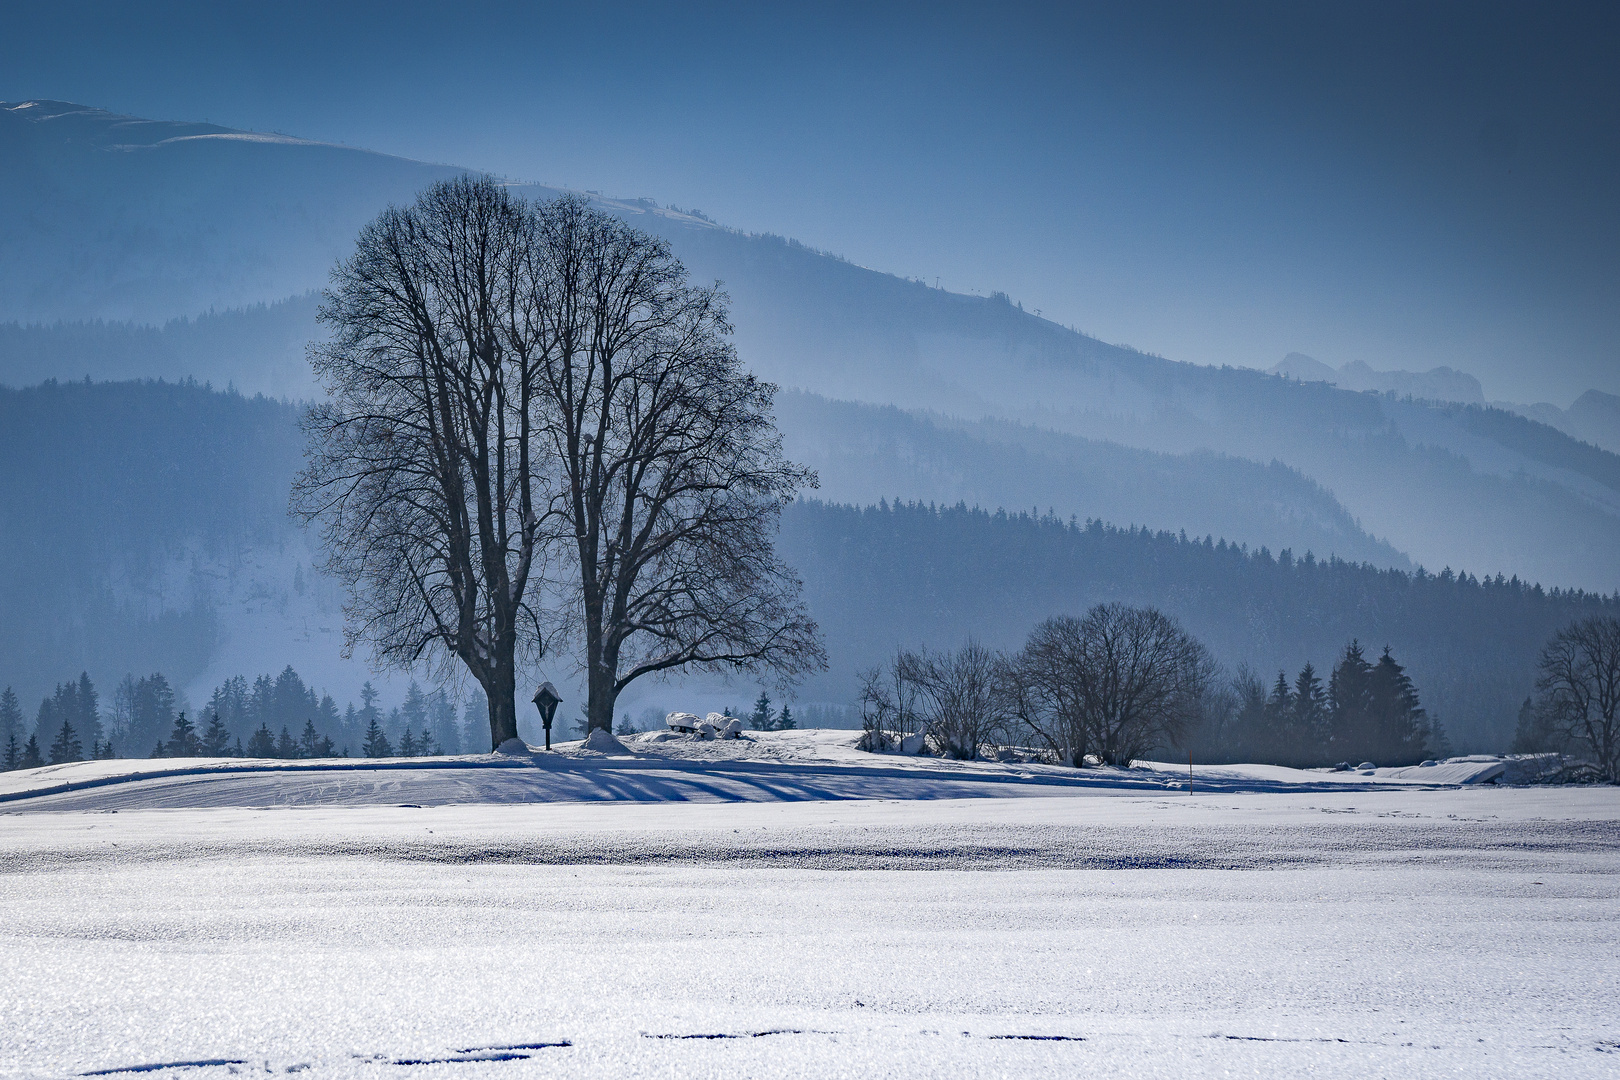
(112, 217)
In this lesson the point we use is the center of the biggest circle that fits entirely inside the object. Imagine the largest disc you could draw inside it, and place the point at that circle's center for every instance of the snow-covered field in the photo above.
(658, 767)
(616, 917)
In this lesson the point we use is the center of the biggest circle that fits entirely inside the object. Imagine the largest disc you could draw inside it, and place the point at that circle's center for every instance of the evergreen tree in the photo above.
(151, 712)
(785, 721)
(285, 746)
(67, 746)
(1400, 733)
(326, 748)
(351, 725)
(407, 744)
(183, 739)
(262, 744)
(239, 751)
(327, 720)
(309, 743)
(1279, 722)
(376, 744)
(11, 717)
(1350, 705)
(762, 719)
(216, 739)
(13, 756)
(87, 705)
(229, 704)
(30, 754)
(369, 712)
(475, 725)
(1310, 714)
(446, 732)
(413, 711)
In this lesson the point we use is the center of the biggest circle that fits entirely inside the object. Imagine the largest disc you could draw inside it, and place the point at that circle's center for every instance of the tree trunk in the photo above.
(601, 699)
(502, 694)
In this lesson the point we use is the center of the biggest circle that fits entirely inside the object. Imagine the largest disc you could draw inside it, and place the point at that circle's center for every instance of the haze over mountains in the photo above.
(139, 249)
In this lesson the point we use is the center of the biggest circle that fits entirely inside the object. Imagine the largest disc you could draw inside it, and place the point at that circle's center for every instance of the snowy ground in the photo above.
(661, 767)
(1389, 929)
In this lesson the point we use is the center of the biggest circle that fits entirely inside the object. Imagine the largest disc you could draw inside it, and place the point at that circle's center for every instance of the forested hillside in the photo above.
(126, 509)
(116, 217)
(146, 532)
(903, 575)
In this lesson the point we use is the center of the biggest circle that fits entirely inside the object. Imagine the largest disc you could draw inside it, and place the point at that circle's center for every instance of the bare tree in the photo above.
(668, 474)
(1580, 688)
(1116, 683)
(1045, 685)
(888, 704)
(420, 468)
(959, 696)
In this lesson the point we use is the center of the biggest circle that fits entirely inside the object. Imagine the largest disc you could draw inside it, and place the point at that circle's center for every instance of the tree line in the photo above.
(896, 573)
(271, 717)
(1120, 683)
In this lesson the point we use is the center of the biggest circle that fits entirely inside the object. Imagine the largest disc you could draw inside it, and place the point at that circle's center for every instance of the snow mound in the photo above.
(603, 741)
(513, 746)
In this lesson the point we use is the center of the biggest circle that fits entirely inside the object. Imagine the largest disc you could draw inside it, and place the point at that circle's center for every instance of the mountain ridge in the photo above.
(263, 220)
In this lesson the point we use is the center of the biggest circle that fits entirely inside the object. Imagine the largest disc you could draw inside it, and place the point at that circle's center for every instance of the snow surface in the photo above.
(657, 766)
(692, 908)
(1364, 933)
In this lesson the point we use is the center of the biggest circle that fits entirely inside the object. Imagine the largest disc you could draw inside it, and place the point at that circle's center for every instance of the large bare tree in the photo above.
(1046, 686)
(1116, 683)
(420, 468)
(959, 696)
(1580, 688)
(666, 467)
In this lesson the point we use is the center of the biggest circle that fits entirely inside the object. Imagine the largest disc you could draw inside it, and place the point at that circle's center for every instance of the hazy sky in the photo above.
(1404, 184)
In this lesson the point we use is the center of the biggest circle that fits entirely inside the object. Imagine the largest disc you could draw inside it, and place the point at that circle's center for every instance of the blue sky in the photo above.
(1403, 184)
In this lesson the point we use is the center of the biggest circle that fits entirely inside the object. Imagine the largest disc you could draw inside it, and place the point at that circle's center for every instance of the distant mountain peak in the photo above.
(1436, 384)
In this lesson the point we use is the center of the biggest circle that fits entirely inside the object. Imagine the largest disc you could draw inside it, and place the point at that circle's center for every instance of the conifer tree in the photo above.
(11, 717)
(67, 746)
(762, 719)
(785, 721)
(1279, 713)
(407, 744)
(1400, 727)
(1350, 704)
(285, 746)
(326, 748)
(262, 744)
(30, 755)
(1310, 717)
(474, 723)
(215, 741)
(183, 740)
(309, 743)
(13, 756)
(376, 744)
